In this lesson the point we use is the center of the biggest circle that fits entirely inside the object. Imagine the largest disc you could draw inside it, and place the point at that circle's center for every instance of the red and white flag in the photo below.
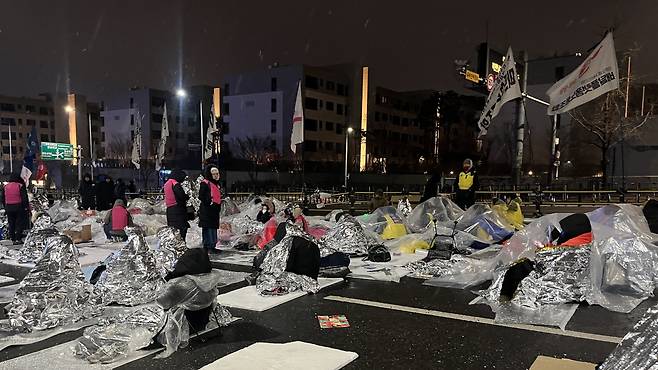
(297, 122)
(594, 77)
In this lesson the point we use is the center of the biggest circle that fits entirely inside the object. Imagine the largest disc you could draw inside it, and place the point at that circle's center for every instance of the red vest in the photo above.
(119, 218)
(13, 193)
(170, 198)
(215, 194)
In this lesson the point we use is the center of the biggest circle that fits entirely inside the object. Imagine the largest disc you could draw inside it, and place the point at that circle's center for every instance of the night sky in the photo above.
(100, 47)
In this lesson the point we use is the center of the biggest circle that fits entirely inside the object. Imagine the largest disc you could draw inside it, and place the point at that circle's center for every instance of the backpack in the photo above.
(378, 253)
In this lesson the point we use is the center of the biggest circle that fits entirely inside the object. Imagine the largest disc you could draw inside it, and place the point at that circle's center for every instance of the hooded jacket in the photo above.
(177, 214)
(208, 210)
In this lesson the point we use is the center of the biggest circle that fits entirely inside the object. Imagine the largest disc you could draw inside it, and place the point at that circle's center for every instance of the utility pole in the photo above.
(520, 124)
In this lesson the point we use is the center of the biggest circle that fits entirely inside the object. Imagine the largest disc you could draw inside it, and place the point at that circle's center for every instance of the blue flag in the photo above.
(31, 150)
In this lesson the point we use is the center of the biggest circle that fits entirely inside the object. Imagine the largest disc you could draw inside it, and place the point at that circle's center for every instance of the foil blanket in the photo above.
(639, 348)
(404, 207)
(170, 247)
(62, 210)
(4, 224)
(438, 267)
(242, 225)
(115, 337)
(132, 276)
(34, 244)
(54, 292)
(193, 293)
(191, 188)
(273, 279)
(348, 236)
(561, 275)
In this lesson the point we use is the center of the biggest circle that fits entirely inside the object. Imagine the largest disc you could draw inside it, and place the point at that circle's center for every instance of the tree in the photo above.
(119, 148)
(260, 151)
(607, 122)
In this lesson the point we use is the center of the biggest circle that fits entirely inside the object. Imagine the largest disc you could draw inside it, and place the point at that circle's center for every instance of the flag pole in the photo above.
(201, 146)
(11, 155)
(91, 148)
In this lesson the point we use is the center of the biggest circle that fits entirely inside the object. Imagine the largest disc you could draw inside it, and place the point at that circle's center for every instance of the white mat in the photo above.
(62, 357)
(235, 257)
(6, 279)
(289, 356)
(7, 293)
(248, 298)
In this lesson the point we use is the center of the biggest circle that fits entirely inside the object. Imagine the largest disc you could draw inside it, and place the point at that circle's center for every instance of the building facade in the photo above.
(121, 112)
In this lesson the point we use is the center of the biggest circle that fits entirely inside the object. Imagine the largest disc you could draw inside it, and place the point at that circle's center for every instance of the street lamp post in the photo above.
(182, 94)
(347, 135)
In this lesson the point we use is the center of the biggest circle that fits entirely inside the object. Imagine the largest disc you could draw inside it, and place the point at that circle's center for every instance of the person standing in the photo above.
(105, 194)
(87, 192)
(210, 207)
(120, 190)
(175, 201)
(16, 207)
(132, 189)
(465, 185)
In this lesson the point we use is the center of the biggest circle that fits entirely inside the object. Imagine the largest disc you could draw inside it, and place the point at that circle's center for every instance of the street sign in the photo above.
(472, 76)
(491, 79)
(56, 151)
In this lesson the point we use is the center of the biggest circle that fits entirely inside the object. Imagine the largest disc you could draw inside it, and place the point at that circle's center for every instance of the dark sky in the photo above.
(99, 47)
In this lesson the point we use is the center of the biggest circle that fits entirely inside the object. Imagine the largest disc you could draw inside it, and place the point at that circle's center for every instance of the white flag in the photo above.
(597, 75)
(297, 122)
(212, 129)
(26, 174)
(505, 88)
(164, 134)
(137, 141)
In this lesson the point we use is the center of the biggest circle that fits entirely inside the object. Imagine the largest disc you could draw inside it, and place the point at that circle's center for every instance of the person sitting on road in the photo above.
(299, 219)
(264, 215)
(116, 220)
(378, 200)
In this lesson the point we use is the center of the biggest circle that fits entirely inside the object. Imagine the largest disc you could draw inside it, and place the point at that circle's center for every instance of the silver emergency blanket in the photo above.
(116, 337)
(132, 276)
(273, 279)
(63, 210)
(192, 293)
(561, 277)
(460, 271)
(192, 190)
(639, 348)
(439, 209)
(170, 248)
(348, 236)
(242, 225)
(54, 292)
(141, 205)
(404, 207)
(4, 224)
(40, 203)
(228, 208)
(35, 241)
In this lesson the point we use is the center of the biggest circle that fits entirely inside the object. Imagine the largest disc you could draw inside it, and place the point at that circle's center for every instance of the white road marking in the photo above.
(478, 320)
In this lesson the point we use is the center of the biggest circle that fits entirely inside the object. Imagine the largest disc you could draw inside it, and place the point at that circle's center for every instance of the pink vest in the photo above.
(215, 194)
(13, 193)
(119, 218)
(170, 198)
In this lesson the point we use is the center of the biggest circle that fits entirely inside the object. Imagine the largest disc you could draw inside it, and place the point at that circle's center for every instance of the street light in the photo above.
(183, 94)
(69, 109)
(347, 135)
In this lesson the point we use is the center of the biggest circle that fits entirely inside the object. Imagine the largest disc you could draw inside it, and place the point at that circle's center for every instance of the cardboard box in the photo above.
(550, 363)
(79, 236)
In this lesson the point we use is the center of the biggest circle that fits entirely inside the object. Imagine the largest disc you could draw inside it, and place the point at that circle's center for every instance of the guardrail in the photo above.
(540, 196)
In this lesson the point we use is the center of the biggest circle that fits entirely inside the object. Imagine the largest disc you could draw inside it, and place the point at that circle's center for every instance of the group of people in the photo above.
(465, 185)
(179, 214)
(101, 196)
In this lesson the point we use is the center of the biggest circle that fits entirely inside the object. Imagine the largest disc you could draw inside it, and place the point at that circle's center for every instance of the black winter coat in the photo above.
(208, 211)
(177, 215)
(87, 195)
(105, 198)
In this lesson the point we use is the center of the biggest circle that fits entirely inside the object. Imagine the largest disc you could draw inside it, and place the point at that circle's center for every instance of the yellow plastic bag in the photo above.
(392, 229)
(411, 247)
